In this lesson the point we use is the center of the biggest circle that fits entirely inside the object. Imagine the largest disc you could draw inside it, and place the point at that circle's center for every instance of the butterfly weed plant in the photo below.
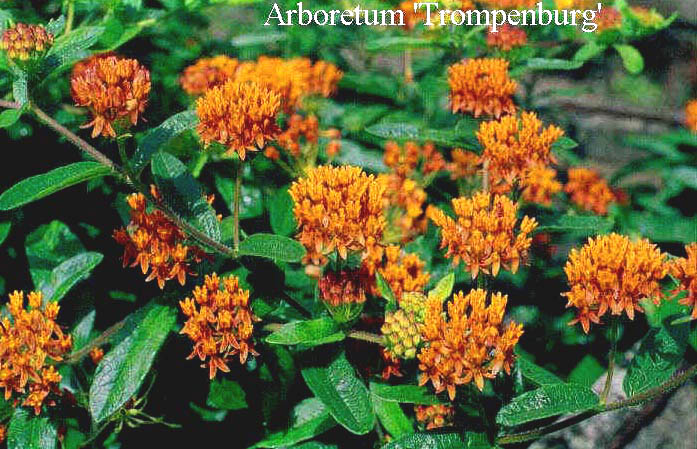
(343, 236)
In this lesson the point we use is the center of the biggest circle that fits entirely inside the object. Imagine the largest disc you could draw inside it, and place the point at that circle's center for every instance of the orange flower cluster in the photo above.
(507, 38)
(512, 146)
(540, 185)
(114, 89)
(589, 191)
(481, 86)
(691, 115)
(219, 323)
(611, 272)
(403, 272)
(684, 270)
(484, 234)
(464, 165)
(392, 364)
(338, 208)
(608, 18)
(468, 344)
(3, 433)
(239, 115)
(435, 416)
(23, 41)
(404, 203)
(299, 128)
(207, 73)
(153, 242)
(345, 287)
(29, 337)
(96, 355)
(407, 159)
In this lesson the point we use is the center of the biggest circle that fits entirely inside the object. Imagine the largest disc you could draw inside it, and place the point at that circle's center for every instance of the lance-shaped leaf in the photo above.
(40, 186)
(47, 247)
(344, 394)
(408, 394)
(310, 333)
(281, 213)
(271, 246)
(70, 48)
(123, 369)
(392, 417)
(314, 420)
(535, 373)
(431, 440)
(547, 401)
(226, 394)
(157, 137)
(27, 431)
(443, 288)
(68, 273)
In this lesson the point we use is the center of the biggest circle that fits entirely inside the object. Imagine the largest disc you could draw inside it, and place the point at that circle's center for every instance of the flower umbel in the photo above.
(465, 164)
(153, 242)
(481, 87)
(684, 269)
(23, 41)
(345, 287)
(506, 38)
(240, 116)
(208, 72)
(540, 185)
(484, 233)
(338, 208)
(513, 145)
(612, 272)
(114, 89)
(435, 416)
(29, 339)
(401, 333)
(403, 271)
(589, 191)
(219, 323)
(468, 344)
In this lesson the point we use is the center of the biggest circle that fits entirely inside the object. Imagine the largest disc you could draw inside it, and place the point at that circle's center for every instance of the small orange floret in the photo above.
(404, 160)
(483, 234)
(219, 323)
(114, 89)
(608, 18)
(404, 272)
(208, 72)
(481, 87)
(465, 164)
(506, 38)
(153, 242)
(684, 269)
(589, 191)
(468, 344)
(540, 185)
(23, 42)
(240, 116)
(29, 338)
(345, 287)
(435, 416)
(96, 354)
(338, 208)
(514, 145)
(691, 115)
(299, 130)
(612, 272)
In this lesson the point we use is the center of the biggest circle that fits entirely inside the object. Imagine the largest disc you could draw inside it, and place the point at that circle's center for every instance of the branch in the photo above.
(9, 104)
(637, 399)
(356, 335)
(75, 357)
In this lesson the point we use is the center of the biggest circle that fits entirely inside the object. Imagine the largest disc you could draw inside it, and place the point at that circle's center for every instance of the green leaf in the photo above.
(157, 137)
(392, 417)
(276, 247)
(226, 394)
(553, 64)
(5, 227)
(589, 51)
(123, 369)
(317, 423)
(547, 401)
(397, 43)
(444, 287)
(9, 117)
(396, 131)
(659, 355)
(47, 247)
(251, 200)
(27, 431)
(83, 330)
(631, 58)
(40, 186)
(184, 194)
(580, 225)
(281, 213)
(344, 394)
(407, 394)
(535, 373)
(371, 84)
(660, 229)
(353, 153)
(310, 333)
(20, 88)
(68, 273)
(384, 289)
(70, 48)
(587, 371)
(56, 26)
(409, 131)
(429, 440)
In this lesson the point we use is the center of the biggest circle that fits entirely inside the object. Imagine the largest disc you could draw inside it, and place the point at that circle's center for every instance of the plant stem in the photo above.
(70, 17)
(356, 335)
(637, 399)
(98, 156)
(236, 208)
(9, 104)
(611, 360)
(408, 72)
(76, 356)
